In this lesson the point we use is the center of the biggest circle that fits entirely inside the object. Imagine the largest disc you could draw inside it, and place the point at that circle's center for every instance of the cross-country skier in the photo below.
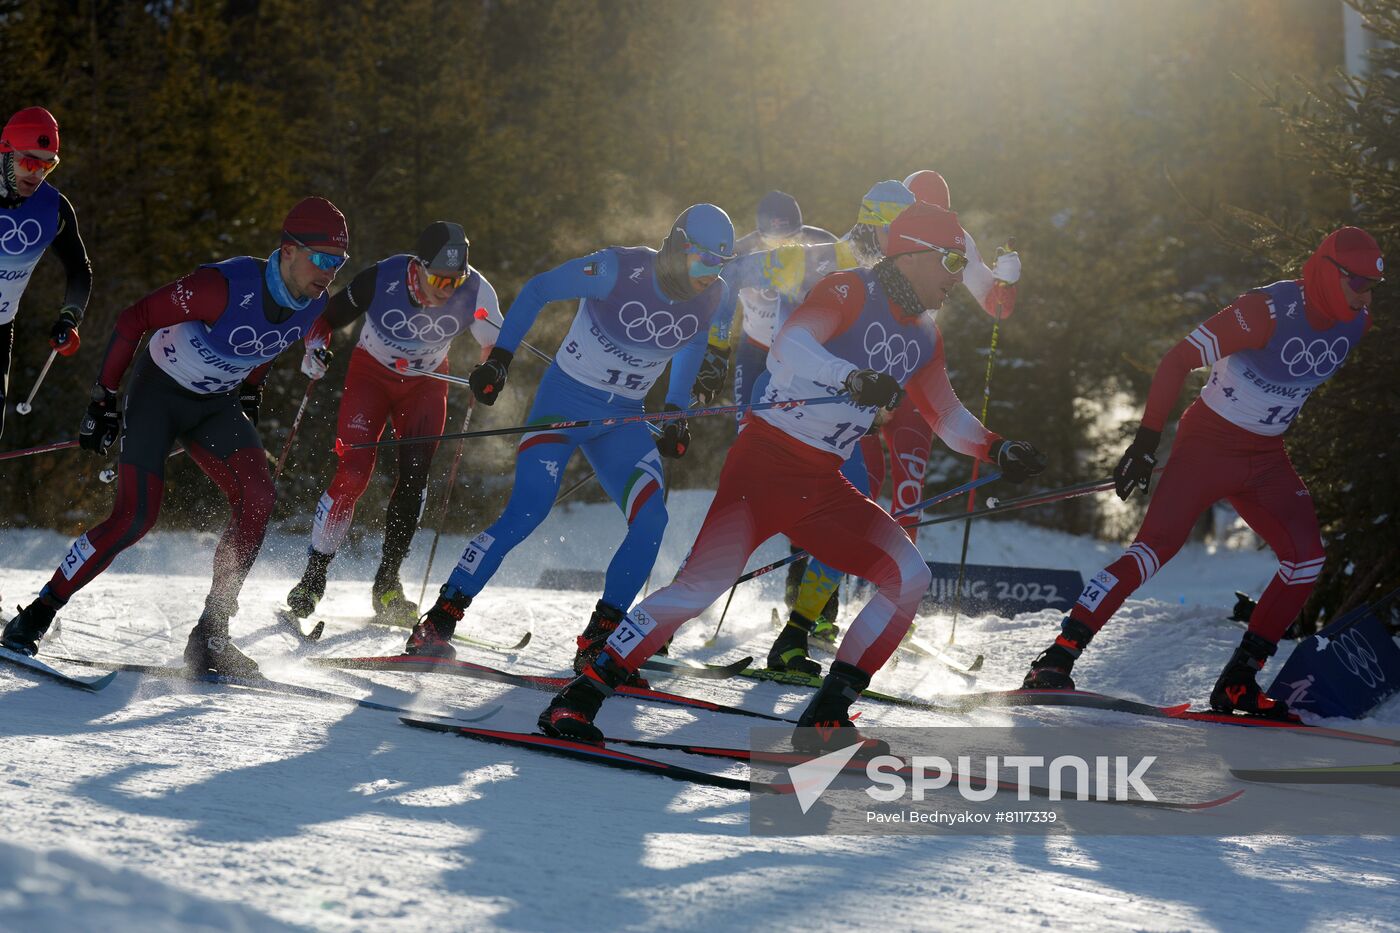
(789, 273)
(216, 332)
(638, 310)
(779, 224)
(414, 304)
(1267, 353)
(863, 334)
(33, 216)
(910, 441)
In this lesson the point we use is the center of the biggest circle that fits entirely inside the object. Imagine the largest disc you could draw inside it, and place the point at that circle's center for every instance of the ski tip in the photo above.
(976, 664)
(316, 632)
(523, 642)
(102, 681)
(339, 447)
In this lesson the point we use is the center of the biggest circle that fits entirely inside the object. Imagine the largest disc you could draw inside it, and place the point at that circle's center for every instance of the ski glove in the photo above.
(1139, 460)
(489, 378)
(64, 335)
(315, 360)
(102, 422)
(1017, 460)
(250, 398)
(1007, 267)
(674, 439)
(709, 383)
(869, 388)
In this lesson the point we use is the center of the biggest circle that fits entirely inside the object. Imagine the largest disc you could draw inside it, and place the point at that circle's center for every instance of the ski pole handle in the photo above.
(25, 407)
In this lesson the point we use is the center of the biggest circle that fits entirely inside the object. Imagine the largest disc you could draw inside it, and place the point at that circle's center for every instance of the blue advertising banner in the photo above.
(1005, 591)
(1344, 670)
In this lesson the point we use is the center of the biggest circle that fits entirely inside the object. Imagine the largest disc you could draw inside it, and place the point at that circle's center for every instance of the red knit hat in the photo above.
(930, 187)
(316, 222)
(33, 128)
(922, 226)
(1355, 251)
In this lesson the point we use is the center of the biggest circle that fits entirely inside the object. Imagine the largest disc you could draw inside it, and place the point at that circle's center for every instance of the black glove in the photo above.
(250, 398)
(869, 388)
(63, 336)
(489, 378)
(674, 439)
(1139, 460)
(1017, 460)
(102, 422)
(709, 382)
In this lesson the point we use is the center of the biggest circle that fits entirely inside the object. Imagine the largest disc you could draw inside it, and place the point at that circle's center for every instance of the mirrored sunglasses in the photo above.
(31, 164)
(323, 261)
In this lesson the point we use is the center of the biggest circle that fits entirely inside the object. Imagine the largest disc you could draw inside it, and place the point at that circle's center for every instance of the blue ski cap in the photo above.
(779, 215)
(709, 237)
(884, 202)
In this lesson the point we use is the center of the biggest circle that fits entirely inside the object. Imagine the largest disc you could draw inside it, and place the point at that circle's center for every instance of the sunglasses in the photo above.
(953, 262)
(323, 261)
(31, 164)
(451, 281)
(1358, 283)
(704, 261)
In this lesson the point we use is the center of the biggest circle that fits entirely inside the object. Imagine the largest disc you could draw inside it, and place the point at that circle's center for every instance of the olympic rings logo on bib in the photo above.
(893, 354)
(245, 341)
(659, 327)
(419, 326)
(25, 233)
(1318, 357)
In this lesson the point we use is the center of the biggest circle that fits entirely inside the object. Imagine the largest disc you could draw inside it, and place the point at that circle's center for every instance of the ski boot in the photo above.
(826, 726)
(390, 606)
(208, 651)
(22, 633)
(825, 628)
(601, 625)
(789, 651)
(432, 636)
(570, 714)
(1236, 690)
(302, 600)
(1052, 669)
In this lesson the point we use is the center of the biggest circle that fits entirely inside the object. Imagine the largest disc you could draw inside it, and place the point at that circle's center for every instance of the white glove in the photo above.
(1007, 268)
(315, 360)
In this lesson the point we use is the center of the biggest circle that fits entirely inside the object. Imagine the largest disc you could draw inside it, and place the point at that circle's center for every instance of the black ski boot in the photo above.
(601, 625)
(302, 600)
(570, 714)
(789, 651)
(1237, 691)
(825, 725)
(432, 636)
(1052, 669)
(390, 605)
(22, 633)
(825, 628)
(209, 651)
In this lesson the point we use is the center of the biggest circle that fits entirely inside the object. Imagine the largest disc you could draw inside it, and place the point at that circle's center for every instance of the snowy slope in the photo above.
(153, 805)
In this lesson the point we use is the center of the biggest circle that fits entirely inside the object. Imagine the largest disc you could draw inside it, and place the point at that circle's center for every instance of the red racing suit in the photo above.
(1268, 352)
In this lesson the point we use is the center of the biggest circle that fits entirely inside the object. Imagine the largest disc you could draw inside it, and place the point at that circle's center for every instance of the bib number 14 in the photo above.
(1279, 415)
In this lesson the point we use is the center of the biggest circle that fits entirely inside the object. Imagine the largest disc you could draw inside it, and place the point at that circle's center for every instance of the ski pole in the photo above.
(41, 449)
(997, 506)
(914, 509)
(641, 418)
(296, 423)
(971, 499)
(25, 407)
(447, 499)
(110, 474)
